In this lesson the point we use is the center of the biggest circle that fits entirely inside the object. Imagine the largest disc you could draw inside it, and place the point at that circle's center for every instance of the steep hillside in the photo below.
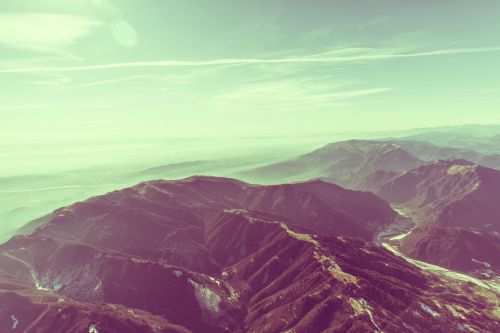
(448, 193)
(172, 257)
(456, 207)
(462, 249)
(321, 206)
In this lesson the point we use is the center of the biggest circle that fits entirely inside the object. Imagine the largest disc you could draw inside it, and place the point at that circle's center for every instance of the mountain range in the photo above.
(209, 254)
(437, 187)
(346, 162)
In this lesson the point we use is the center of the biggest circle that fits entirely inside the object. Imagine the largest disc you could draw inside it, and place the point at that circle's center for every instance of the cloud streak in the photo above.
(289, 95)
(339, 56)
(113, 81)
(42, 32)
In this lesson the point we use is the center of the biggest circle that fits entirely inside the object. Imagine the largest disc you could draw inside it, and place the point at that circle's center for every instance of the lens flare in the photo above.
(124, 33)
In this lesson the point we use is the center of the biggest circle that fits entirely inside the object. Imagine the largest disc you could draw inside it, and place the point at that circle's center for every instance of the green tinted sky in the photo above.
(77, 70)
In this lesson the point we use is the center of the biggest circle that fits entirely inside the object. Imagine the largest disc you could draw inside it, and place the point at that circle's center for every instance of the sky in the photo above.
(102, 70)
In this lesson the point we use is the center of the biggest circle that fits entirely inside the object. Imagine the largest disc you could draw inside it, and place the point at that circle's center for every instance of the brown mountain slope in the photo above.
(448, 193)
(456, 206)
(323, 207)
(462, 249)
(267, 275)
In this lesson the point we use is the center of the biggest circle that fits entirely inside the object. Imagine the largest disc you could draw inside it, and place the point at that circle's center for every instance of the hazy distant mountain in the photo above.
(183, 169)
(486, 144)
(346, 162)
(181, 256)
(467, 129)
(432, 152)
(340, 162)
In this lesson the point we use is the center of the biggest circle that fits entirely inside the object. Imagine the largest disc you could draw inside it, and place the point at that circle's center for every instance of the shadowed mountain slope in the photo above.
(462, 249)
(447, 193)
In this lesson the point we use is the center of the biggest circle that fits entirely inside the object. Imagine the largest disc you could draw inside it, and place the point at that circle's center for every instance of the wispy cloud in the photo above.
(346, 55)
(113, 81)
(40, 32)
(59, 80)
(286, 95)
